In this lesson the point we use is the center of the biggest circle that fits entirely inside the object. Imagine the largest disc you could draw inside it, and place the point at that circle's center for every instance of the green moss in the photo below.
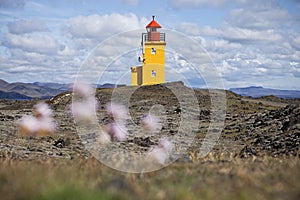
(267, 178)
(76, 193)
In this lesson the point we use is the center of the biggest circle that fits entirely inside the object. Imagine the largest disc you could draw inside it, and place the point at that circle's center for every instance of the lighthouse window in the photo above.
(153, 51)
(153, 73)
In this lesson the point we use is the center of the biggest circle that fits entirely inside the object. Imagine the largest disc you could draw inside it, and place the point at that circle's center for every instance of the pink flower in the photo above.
(104, 138)
(159, 156)
(161, 153)
(84, 108)
(165, 144)
(42, 110)
(117, 131)
(29, 125)
(39, 124)
(151, 123)
(47, 126)
(83, 90)
(116, 111)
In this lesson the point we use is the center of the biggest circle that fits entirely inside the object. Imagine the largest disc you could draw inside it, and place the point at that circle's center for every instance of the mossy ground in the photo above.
(209, 178)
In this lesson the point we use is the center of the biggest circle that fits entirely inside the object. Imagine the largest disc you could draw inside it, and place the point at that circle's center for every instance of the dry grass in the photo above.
(210, 178)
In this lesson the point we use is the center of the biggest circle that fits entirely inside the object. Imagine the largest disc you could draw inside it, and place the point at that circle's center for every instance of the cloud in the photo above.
(179, 4)
(242, 67)
(130, 2)
(242, 35)
(295, 69)
(222, 46)
(26, 26)
(30, 67)
(260, 16)
(12, 4)
(102, 26)
(33, 57)
(68, 52)
(86, 32)
(253, 45)
(295, 42)
(189, 28)
(36, 42)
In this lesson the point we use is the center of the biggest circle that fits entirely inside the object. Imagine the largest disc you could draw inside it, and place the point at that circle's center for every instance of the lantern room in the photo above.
(153, 34)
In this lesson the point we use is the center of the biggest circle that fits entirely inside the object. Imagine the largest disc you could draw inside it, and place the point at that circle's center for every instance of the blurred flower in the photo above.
(39, 124)
(116, 111)
(47, 126)
(151, 123)
(104, 138)
(84, 105)
(84, 110)
(117, 131)
(161, 153)
(83, 90)
(42, 110)
(118, 114)
(165, 144)
(28, 125)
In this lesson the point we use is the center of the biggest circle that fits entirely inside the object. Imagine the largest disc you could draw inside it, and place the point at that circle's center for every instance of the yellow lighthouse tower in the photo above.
(152, 70)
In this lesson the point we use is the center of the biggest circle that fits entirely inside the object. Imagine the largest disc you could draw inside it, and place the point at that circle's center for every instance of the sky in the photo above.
(245, 42)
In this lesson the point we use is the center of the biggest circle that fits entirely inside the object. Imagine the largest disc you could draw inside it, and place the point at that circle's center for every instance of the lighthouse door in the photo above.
(139, 76)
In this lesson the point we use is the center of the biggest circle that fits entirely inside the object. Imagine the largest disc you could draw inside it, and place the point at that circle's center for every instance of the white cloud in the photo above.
(12, 4)
(24, 68)
(35, 42)
(33, 57)
(242, 35)
(193, 29)
(102, 26)
(130, 2)
(86, 32)
(26, 26)
(189, 28)
(294, 63)
(261, 70)
(67, 51)
(32, 66)
(295, 42)
(222, 46)
(252, 43)
(260, 15)
(178, 4)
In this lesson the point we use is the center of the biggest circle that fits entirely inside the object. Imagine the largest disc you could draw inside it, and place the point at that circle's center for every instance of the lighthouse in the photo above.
(152, 69)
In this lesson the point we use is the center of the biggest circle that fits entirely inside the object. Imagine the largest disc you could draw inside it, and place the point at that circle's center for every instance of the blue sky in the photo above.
(250, 42)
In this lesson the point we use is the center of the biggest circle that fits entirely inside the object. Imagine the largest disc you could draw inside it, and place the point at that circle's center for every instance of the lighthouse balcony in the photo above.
(154, 37)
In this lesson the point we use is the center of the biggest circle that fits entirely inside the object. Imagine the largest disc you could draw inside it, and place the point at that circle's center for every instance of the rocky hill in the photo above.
(252, 127)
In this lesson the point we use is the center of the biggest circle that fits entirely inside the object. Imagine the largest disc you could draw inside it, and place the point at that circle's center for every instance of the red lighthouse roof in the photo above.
(153, 24)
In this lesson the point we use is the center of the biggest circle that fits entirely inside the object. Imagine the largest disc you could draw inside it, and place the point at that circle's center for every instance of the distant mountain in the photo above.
(38, 90)
(13, 95)
(3, 83)
(57, 86)
(20, 90)
(256, 92)
(108, 85)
